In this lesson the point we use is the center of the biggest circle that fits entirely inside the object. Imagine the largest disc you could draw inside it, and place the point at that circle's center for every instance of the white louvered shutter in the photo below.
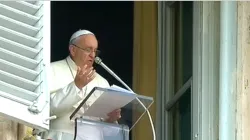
(24, 61)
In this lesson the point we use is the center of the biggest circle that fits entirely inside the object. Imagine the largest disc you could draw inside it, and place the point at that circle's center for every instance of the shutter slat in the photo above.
(18, 15)
(18, 81)
(18, 37)
(18, 59)
(32, 2)
(22, 6)
(18, 26)
(14, 98)
(18, 92)
(18, 48)
(18, 70)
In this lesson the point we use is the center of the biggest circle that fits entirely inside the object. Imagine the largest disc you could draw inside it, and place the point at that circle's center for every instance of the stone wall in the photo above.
(243, 65)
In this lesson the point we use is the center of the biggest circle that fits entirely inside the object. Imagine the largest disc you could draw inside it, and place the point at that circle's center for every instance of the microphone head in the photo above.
(98, 60)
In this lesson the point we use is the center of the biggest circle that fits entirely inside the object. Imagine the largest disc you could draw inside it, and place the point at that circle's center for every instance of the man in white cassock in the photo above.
(71, 80)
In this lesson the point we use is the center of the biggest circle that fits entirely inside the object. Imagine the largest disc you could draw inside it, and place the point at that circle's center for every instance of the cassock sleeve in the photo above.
(63, 99)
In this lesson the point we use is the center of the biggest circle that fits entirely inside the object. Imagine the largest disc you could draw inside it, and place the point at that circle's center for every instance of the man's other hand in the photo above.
(114, 116)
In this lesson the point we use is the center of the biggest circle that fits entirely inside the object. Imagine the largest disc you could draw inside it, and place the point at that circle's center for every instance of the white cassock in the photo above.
(65, 97)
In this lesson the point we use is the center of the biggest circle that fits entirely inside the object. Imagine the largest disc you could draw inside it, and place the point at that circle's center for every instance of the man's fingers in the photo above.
(114, 115)
(118, 110)
(91, 74)
(115, 112)
(88, 71)
(78, 70)
(83, 71)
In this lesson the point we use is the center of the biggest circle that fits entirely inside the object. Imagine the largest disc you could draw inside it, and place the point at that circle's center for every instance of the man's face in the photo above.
(83, 51)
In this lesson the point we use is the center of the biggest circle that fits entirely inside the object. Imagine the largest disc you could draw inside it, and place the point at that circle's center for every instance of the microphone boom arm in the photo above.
(116, 77)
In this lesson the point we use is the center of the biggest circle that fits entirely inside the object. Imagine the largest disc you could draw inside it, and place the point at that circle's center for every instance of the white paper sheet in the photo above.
(109, 101)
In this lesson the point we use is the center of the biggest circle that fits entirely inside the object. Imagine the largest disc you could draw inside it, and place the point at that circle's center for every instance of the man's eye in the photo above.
(88, 49)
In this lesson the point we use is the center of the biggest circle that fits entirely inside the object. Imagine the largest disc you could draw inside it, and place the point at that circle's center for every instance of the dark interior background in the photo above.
(111, 22)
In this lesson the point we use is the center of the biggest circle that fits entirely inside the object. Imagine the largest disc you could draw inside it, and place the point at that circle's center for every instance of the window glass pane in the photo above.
(183, 38)
(181, 114)
(187, 39)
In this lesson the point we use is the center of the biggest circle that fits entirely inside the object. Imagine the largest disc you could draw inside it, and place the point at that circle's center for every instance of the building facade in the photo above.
(192, 57)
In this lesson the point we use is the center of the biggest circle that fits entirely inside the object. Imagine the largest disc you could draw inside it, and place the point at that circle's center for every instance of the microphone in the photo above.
(98, 61)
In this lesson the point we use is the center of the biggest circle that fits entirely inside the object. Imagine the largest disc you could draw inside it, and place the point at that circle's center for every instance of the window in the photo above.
(176, 70)
(179, 103)
(189, 54)
(24, 61)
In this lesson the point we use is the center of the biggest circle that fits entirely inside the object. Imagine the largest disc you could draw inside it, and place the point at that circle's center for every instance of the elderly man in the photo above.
(71, 80)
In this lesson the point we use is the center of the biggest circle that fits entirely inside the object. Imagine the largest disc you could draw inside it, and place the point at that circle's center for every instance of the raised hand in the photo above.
(84, 76)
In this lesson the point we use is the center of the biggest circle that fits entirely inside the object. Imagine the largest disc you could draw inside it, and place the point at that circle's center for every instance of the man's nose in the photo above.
(92, 54)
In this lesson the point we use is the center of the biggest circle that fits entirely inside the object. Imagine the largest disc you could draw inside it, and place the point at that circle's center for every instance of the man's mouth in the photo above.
(91, 61)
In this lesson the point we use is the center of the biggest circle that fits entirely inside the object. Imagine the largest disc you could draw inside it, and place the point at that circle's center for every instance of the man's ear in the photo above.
(72, 50)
